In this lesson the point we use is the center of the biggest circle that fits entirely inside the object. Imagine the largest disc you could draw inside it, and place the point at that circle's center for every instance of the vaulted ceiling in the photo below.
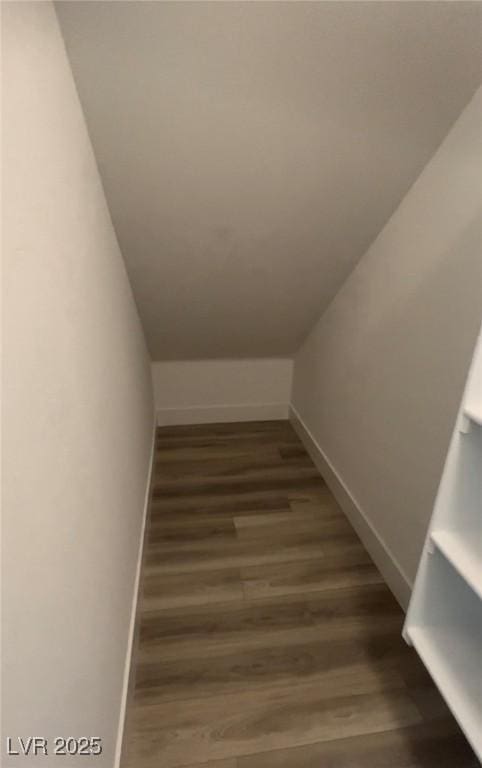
(251, 151)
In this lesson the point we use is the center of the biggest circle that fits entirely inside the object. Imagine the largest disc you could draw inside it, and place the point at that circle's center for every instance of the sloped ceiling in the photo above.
(251, 151)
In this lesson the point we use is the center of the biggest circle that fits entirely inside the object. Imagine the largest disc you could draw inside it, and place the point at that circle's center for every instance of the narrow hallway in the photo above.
(259, 225)
(267, 637)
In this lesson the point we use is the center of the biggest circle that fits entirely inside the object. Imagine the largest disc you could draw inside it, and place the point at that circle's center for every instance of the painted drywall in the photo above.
(203, 391)
(251, 152)
(379, 379)
(77, 411)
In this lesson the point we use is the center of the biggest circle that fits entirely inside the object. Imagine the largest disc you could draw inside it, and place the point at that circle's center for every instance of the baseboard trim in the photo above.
(210, 414)
(381, 554)
(129, 666)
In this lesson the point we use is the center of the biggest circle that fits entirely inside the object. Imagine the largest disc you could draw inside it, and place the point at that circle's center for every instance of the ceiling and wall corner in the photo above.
(251, 152)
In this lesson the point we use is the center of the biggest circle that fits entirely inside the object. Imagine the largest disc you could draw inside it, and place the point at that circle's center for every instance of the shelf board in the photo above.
(473, 411)
(460, 554)
(435, 647)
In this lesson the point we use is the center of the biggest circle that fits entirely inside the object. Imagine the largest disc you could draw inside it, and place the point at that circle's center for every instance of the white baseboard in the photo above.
(380, 553)
(210, 414)
(128, 677)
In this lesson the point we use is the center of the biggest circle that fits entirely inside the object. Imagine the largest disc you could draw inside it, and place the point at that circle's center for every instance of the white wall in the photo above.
(77, 410)
(200, 391)
(379, 379)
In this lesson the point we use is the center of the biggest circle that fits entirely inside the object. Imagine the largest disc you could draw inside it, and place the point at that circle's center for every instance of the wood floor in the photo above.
(268, 638)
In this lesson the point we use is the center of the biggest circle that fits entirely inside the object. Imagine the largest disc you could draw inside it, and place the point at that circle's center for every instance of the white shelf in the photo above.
(464, 558)
(444, 619)
(436, 648)
(473, 411)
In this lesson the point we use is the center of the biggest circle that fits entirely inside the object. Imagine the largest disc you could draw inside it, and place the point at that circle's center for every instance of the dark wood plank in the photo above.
(355, 569)
(418, 746)
(247, 481)
(295, 527)
(163, 591)
(266, 623)
(273, 518)
(249, 503)
(199, 556)
(174, 533)
(174, 732)
(226, 464)
(333, 666)
(251, 428)
(229, 763)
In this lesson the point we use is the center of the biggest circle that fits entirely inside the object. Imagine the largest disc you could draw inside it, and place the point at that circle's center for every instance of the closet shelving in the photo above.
(444, 619)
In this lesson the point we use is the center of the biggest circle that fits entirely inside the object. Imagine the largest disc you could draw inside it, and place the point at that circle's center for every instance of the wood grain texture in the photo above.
(268, 638)
(267, 623)
(185, 589)
(441, 746)
(327, 573)
(230, 763)
(234, 724)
